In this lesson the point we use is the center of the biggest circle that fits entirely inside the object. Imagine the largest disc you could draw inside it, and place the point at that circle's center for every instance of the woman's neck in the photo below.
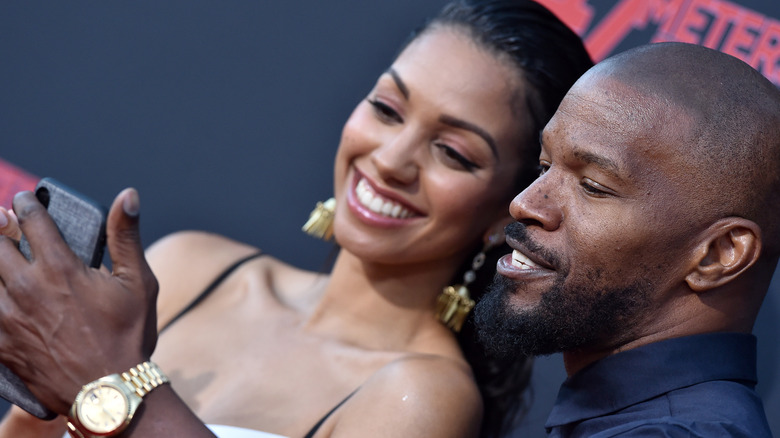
(382, 307)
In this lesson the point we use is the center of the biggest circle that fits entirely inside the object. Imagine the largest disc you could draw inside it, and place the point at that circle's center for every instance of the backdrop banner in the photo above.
(750, 34)
(12, 181)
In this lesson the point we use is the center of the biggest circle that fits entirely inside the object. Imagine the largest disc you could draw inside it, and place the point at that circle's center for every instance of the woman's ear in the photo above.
(729, 247)
(494, 235)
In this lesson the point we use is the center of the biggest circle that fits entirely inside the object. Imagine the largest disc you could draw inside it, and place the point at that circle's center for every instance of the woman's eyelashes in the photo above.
(448, 154)
(384, 111)
(453, 157)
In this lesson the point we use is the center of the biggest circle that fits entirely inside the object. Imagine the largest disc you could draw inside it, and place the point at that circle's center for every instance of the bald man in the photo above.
(645, 248)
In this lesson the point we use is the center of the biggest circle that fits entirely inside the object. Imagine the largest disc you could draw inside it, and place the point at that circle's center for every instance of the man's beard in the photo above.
(567, 318)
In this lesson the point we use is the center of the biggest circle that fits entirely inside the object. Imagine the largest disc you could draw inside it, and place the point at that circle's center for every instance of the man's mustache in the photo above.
(518, 232)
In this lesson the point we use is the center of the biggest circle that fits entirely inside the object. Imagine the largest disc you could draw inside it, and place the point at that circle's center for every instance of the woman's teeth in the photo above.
(521, 261)
(378, 204)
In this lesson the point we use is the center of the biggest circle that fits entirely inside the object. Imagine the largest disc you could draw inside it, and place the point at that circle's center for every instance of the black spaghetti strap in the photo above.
(322, 420)
(210, 288)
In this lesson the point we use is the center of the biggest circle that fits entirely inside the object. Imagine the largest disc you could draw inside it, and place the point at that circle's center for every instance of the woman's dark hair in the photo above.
(550, 57)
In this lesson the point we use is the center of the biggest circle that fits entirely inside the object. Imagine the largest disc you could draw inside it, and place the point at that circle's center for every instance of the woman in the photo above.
(449, 130)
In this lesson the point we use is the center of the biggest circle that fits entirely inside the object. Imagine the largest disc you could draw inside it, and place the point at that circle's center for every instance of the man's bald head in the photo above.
(721, 115)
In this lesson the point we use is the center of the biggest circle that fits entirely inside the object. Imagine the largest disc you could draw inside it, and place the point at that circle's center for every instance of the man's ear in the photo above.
(729, 247)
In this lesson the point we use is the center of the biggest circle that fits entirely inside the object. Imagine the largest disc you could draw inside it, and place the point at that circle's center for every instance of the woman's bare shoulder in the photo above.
(197, 245)
(197, 254)
(185, 263)
(425, 395)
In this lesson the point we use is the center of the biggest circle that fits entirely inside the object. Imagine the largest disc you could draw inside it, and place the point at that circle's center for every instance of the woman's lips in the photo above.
(377, 208)
(378, 204)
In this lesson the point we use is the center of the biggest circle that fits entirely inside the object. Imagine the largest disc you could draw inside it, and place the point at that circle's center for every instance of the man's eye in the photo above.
(593, 188)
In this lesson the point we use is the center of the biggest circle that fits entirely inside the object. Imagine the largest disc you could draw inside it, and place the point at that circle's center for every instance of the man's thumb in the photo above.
(123, 236)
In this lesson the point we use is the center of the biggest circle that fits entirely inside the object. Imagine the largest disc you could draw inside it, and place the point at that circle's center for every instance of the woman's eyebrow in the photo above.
(447, 120)
(399, 83)
(462, 124)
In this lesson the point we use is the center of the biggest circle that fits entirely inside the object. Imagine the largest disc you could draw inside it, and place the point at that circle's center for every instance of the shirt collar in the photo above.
(632, 376)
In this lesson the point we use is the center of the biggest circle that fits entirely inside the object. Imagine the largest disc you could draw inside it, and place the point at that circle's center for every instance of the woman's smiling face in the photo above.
(427, 162)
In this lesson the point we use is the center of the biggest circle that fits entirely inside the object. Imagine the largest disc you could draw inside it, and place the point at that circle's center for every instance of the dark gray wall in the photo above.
(224, 114)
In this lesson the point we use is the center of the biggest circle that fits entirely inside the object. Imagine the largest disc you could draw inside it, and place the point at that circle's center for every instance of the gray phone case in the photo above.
(82, 223)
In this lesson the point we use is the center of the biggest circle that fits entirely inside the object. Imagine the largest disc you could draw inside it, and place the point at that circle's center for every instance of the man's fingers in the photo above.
(11, 261)
(9, 225)
(40, 230)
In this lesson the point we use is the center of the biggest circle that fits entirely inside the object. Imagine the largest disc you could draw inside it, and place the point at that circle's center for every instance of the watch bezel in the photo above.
(89, 422)
(115, 382)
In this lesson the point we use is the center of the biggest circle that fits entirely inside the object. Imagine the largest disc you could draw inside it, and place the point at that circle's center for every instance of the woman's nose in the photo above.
(397, 159)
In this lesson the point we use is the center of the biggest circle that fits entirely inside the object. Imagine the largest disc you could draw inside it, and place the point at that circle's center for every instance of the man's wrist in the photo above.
(106, 406)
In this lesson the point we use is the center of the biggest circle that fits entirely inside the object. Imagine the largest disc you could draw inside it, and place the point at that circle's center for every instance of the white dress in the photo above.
(230, 432)
(238, 432)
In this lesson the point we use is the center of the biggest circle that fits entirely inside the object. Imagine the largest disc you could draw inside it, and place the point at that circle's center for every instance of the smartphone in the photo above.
(82, 224)
(81, 221)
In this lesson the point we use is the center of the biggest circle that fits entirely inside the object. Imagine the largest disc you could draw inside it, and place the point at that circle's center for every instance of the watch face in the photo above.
(103, 409)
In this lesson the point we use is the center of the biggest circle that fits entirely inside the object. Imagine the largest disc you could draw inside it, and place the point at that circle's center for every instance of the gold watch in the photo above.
(106, 406)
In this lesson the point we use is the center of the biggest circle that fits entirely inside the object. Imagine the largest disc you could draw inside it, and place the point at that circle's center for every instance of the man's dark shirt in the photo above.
(695, 386)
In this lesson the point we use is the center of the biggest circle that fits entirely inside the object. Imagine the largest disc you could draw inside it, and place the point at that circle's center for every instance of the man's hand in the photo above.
(63, 324)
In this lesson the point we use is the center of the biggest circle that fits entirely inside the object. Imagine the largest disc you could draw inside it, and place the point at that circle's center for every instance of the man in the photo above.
(646, 246)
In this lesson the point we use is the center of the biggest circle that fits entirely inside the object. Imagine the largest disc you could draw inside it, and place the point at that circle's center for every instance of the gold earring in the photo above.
(320, 223)
(455, 303)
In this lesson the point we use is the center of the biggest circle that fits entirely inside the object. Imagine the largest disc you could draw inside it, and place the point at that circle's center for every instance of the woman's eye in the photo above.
(385, 111)
(456, 158)
(542, 168)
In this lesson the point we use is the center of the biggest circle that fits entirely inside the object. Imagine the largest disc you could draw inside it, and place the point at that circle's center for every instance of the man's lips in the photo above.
(518, 265)
(520, 260)
(527, 258)
(527, 255)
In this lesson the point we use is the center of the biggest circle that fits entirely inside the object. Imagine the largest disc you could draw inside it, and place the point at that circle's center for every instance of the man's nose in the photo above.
(538, 205)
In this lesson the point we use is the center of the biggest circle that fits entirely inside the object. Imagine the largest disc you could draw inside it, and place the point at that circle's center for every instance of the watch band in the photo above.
(137, 381)
(144, 377)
